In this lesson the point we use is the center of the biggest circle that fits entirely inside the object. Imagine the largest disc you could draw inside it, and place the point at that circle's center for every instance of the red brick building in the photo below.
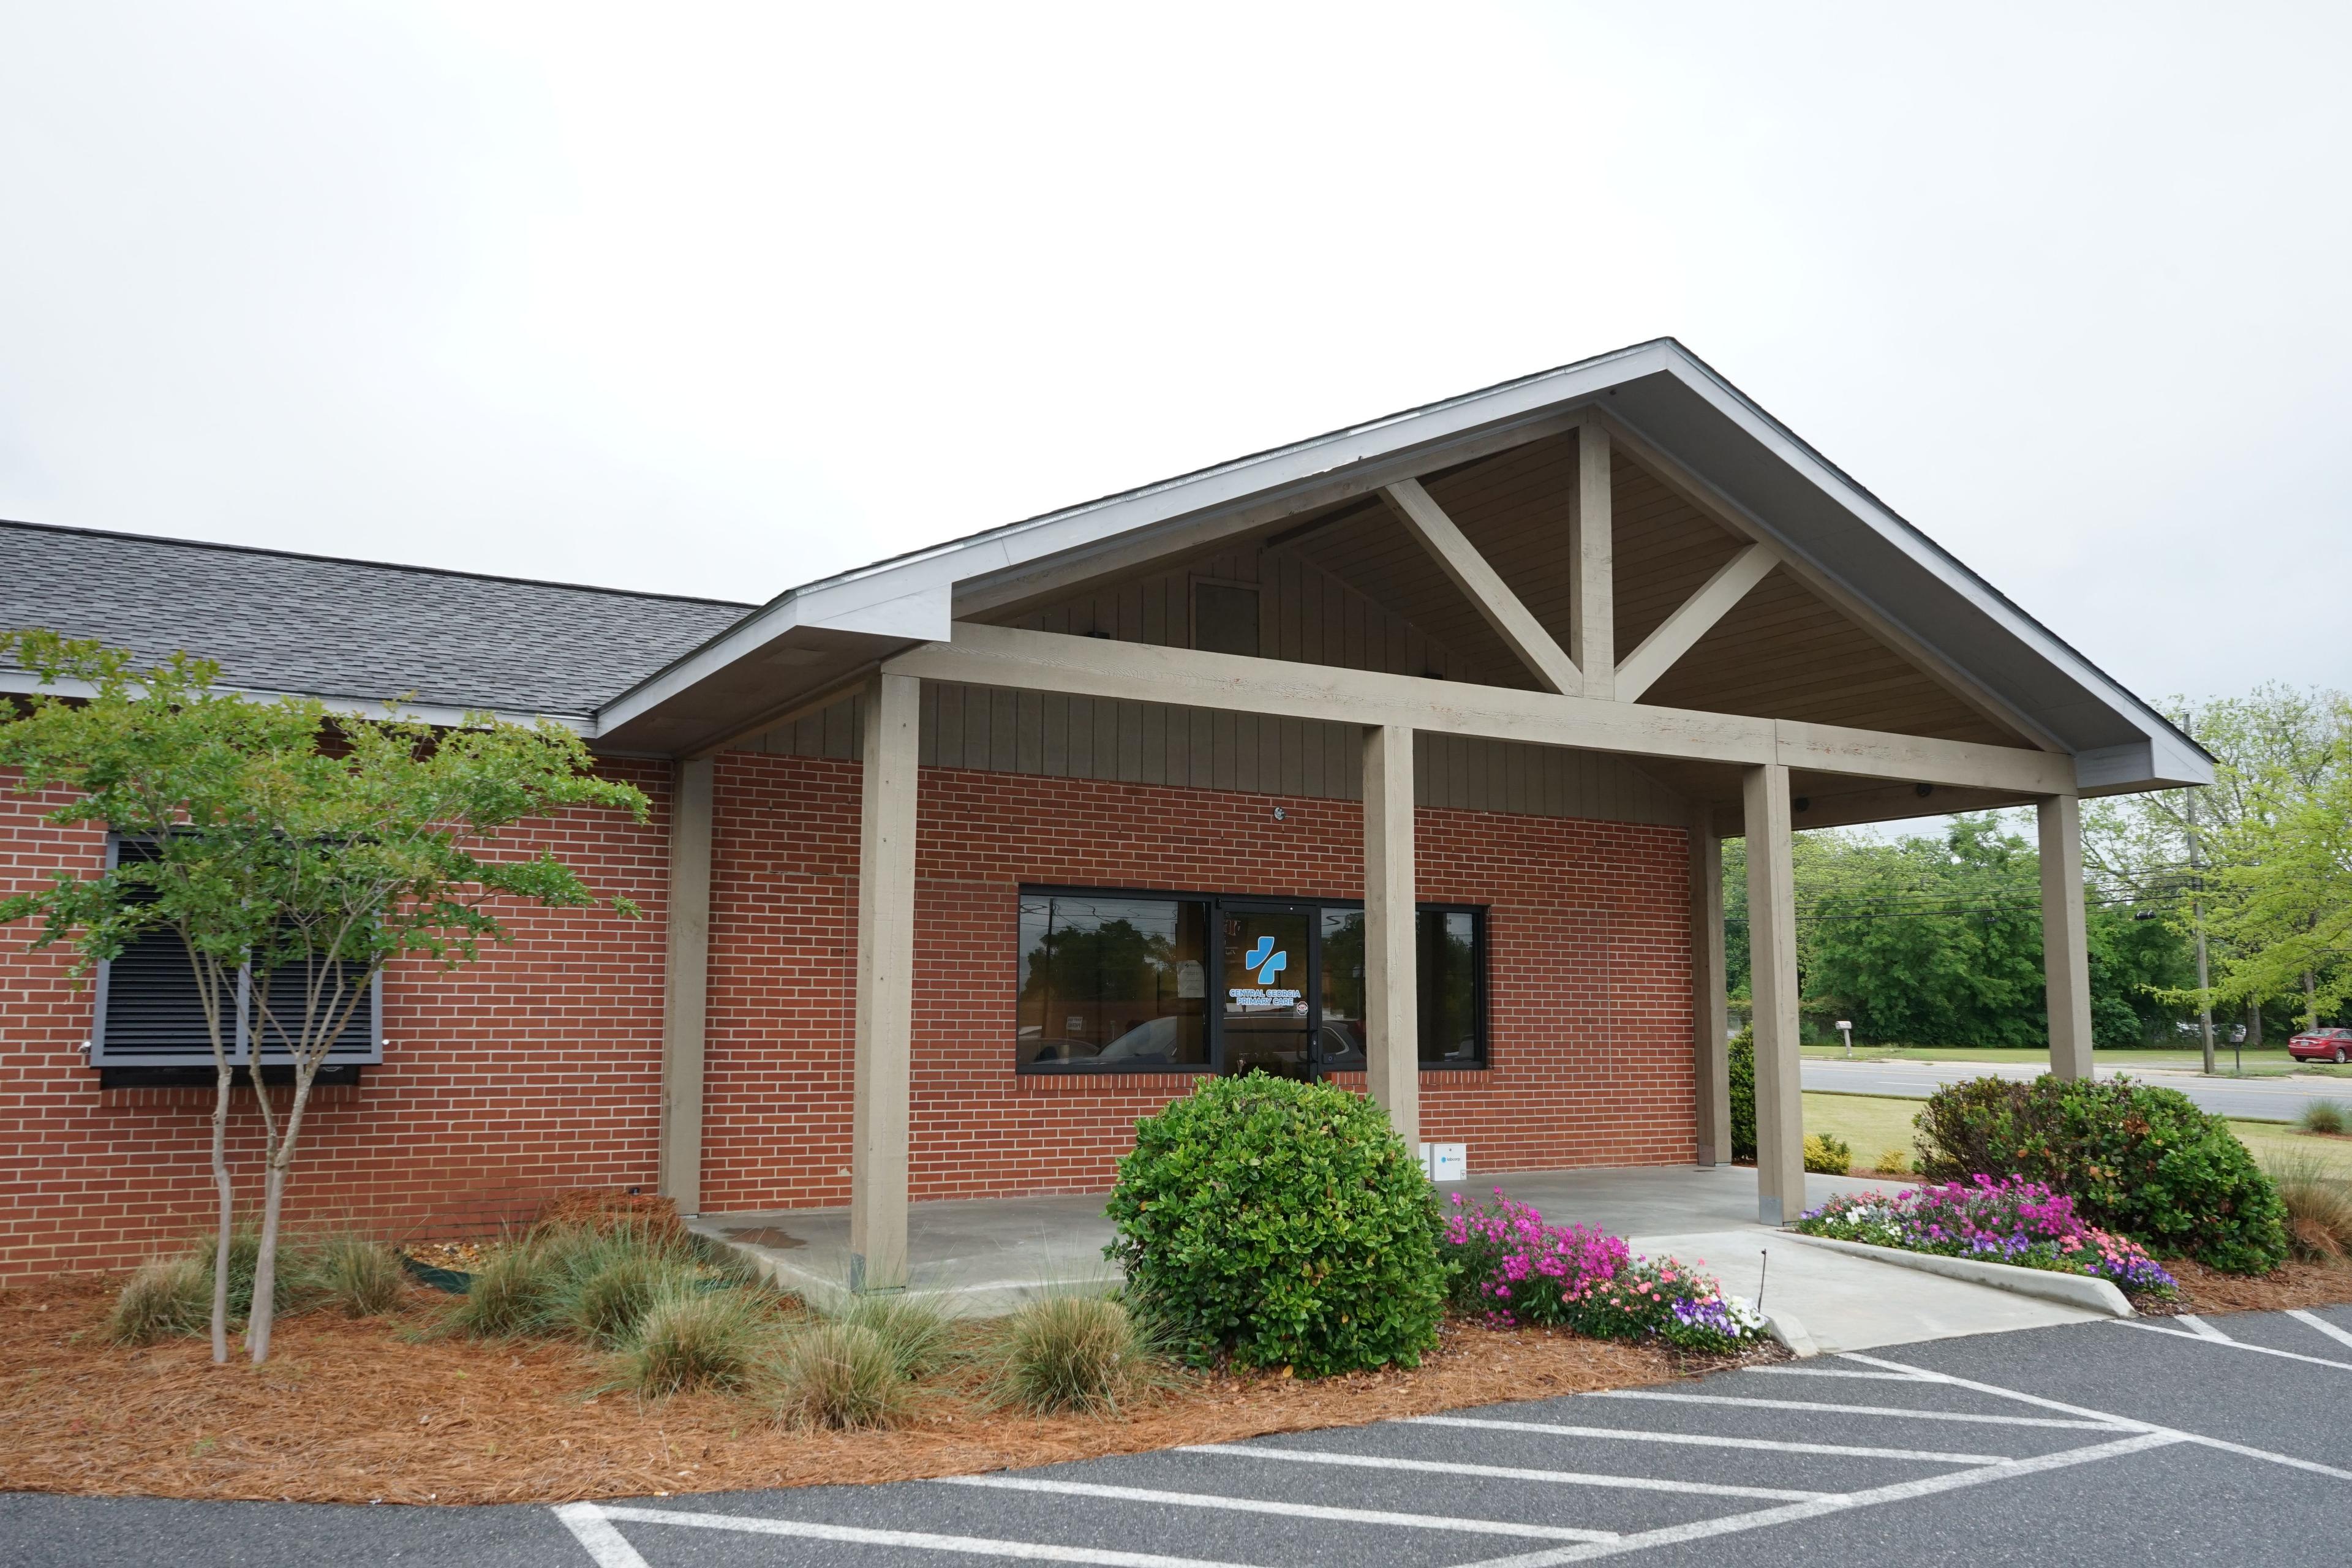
(1400, 756)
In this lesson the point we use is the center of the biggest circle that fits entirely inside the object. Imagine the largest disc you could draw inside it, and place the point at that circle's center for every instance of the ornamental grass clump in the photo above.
(1508, 1265)
(840, 1377)
(2009, 1221)
(347, 1271)
(2318, 1208)
(1067, 1352)
(689, 1337)
(2323, 1117)
(1279, 1224)
(166, 1296)
(912, 1328)
(2140, 1162)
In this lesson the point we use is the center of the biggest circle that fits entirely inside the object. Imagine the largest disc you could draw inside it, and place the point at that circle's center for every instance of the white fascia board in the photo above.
(2182, 761)
(440, 714)
(897, 608)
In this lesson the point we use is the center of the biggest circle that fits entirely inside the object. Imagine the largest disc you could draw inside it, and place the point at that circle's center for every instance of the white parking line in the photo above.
(1826, 1409)
(1497, 1472)
(1287, 1510)
(590, 1514)
(1701, 1440)
(2201, 1329)
(1927, 1486)
(2227, 1343)
(2323, 1325)
(1836, 1372)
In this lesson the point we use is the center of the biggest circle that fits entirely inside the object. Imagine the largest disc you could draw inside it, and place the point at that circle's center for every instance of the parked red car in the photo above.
(2321, 1044)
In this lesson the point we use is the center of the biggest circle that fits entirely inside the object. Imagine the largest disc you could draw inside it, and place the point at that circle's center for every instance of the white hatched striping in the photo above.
(1287, 1510)
(1701, 1440)
(1927, 1486)
(2121, 1422)
(2201, 1329)
(2315, 1320)
(2231, 1344)
(970, 1545)
(1822, 1409)
(1497, 1472)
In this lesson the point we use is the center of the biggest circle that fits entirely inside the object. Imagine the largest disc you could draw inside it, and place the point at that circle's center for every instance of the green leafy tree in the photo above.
(306, 848)
(2278, 751)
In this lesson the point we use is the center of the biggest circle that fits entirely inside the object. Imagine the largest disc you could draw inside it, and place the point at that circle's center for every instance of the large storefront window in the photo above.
(1113, 981)
(1132, 982)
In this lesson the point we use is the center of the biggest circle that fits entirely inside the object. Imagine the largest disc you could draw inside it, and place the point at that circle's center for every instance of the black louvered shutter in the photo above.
(150, 1014)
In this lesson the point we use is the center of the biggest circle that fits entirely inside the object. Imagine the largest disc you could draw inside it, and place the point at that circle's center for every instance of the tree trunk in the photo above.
(263, 1315)
(2253, 1023)
(2310, 1000)
(227, 1213)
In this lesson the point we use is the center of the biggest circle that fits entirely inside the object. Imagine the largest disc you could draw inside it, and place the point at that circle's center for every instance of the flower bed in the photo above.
(2009, 1221)
(1506, 1263)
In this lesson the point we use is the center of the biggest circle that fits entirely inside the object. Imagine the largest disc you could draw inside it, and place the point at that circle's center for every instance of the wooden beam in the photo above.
(1592, 605)
(1680, 632)
(1139, 672)
(686, 982)
(1391, 1004)
(884, 1044)
(1772, 980)
(1710, 1057)
(1523, 634)
(1734, 519)
(2065, 951)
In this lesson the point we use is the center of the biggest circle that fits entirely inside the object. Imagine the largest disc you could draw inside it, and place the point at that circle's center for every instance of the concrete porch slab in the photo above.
(985, 1256)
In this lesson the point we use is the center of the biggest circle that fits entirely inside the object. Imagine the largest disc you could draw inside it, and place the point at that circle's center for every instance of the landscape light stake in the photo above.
(1765, 1254)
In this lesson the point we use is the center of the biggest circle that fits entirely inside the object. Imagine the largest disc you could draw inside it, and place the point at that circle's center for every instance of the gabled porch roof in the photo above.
(1690, 435)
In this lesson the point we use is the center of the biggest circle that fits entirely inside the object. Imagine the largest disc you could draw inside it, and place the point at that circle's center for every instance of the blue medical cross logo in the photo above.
(1266, 959)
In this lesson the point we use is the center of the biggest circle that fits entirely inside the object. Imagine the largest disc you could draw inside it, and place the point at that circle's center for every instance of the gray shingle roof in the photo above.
(279, 622)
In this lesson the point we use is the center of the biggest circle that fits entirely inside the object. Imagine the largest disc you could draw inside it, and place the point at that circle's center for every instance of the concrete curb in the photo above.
(2070, 1289)
(1791, 1333)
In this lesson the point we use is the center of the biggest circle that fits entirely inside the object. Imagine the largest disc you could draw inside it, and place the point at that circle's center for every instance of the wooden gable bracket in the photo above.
(1679, 632)
(1484, 586)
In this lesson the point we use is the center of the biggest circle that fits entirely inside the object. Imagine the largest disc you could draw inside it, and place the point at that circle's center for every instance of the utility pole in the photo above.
(2197, 915)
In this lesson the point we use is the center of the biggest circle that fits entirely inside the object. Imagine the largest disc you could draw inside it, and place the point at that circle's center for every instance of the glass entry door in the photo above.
(1265, 989)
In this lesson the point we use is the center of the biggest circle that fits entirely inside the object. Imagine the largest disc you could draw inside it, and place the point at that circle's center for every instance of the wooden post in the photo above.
(885, 989)
(1593, 608)
(1710, 1053)
(686, 982)
(1772, 954)
(2065, 950)
(1391, 995)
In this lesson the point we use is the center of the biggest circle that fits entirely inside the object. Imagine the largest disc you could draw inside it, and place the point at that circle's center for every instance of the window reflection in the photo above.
(1113, 982)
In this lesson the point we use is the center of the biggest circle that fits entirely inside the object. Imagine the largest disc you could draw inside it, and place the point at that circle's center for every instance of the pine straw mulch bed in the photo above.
(2289, 1286)
(352, 1412)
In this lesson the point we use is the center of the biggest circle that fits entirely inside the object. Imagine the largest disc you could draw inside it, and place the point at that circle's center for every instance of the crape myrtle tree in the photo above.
(304, 849)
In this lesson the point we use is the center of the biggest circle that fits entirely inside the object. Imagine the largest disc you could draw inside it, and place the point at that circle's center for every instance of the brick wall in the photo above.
(1588, 960)
(536, 1069)
(540, 1068)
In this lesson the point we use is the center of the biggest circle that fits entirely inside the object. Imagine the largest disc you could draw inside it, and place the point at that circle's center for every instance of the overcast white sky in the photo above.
(718, 299)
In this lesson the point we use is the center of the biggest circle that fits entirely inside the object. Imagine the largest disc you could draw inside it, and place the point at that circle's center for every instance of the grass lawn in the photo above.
(1869, 1125)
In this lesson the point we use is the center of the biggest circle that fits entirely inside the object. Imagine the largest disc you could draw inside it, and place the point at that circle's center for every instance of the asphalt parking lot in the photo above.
(2131, 1443)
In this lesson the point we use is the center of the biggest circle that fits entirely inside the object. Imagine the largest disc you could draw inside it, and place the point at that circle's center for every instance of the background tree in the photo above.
(1936, 939)
(310, 849)
(2274, 750)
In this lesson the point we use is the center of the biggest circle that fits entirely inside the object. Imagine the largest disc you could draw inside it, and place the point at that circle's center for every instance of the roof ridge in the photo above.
(374, 566)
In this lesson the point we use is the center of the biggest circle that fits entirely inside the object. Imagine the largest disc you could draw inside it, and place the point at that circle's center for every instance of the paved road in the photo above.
(2274, 1099)
(2131, 1444)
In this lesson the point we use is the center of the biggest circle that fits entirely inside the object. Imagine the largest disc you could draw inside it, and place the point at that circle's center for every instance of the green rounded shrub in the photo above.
(2139, 1160)
(1285, 1224)
(1827, 1156)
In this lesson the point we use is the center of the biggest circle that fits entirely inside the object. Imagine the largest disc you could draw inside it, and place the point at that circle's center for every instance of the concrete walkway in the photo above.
(985, 1256)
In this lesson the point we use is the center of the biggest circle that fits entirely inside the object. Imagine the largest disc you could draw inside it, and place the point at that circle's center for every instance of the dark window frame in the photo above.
(119, 1060)
(1217, 900)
